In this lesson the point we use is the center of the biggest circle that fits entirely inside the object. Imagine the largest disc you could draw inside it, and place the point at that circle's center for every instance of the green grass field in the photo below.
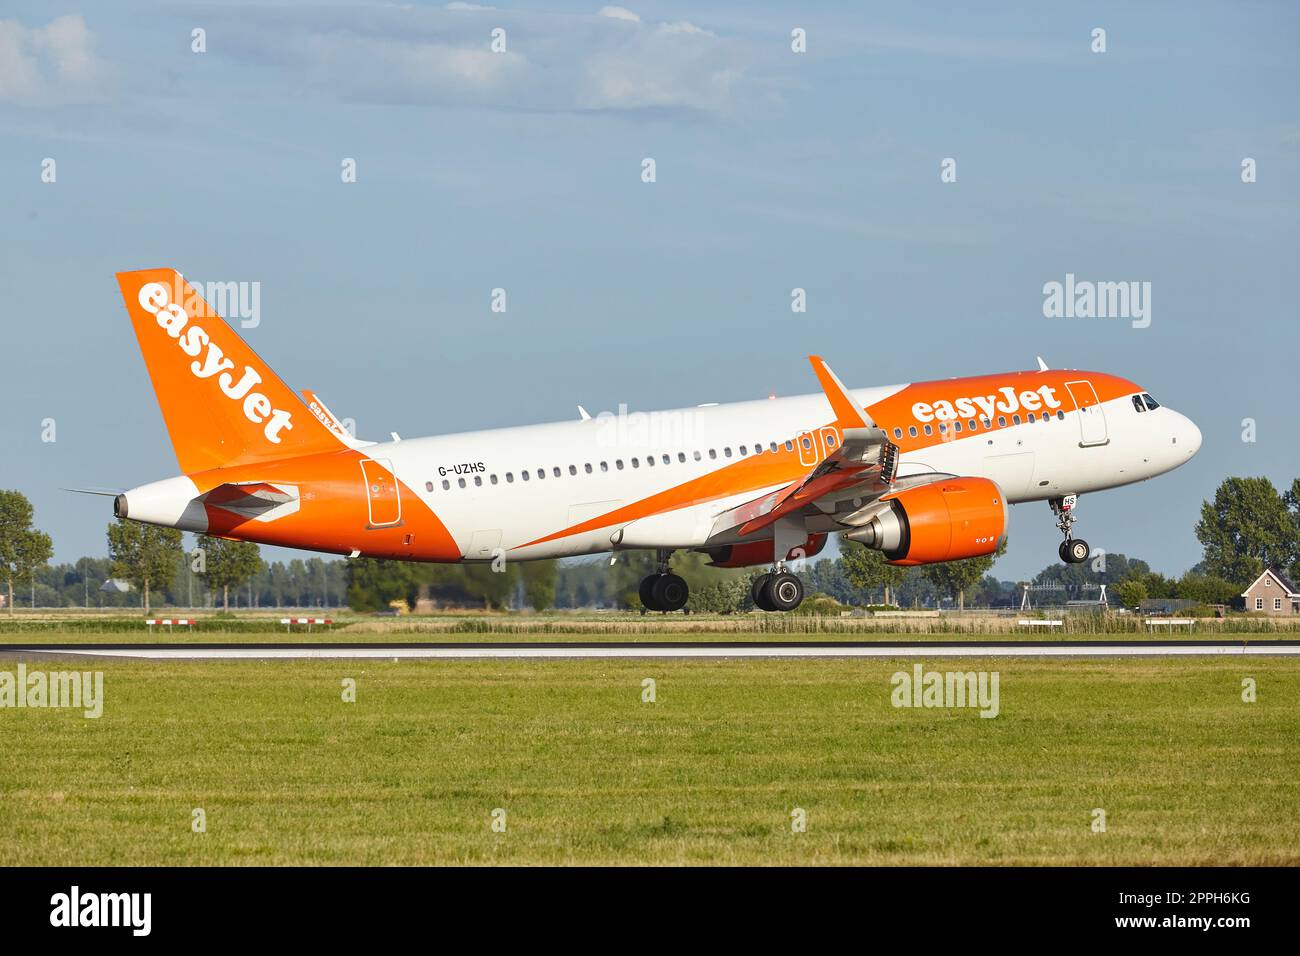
(410, 773)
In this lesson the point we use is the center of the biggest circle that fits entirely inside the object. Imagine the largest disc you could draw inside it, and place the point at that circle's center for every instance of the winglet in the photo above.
(1042, 366)
(847, 412)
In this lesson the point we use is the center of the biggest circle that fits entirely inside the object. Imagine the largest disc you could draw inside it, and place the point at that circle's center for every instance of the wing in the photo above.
(862, 466)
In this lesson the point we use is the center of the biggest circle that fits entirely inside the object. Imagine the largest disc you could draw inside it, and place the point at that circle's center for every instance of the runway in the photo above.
(650, 649)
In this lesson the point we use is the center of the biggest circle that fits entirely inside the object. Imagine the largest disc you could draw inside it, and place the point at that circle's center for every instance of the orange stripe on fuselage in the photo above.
(898, 410)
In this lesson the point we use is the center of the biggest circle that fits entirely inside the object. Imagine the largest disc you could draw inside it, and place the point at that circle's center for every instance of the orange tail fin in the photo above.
(222, 404)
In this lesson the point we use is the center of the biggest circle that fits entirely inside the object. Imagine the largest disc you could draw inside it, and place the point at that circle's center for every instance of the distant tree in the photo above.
(228, 564)
(866, 569)
(954, 577)
(143, 554)
(1246, 528)
(23, 549)
(1292, 501)
(539, 584)
(1206, 589)
(1131, 593)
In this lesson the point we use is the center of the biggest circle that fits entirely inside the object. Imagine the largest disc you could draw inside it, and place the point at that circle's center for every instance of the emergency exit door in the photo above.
(382, 496)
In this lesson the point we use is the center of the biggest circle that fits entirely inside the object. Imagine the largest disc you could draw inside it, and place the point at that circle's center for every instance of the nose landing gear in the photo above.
(663, 590)
(1072, 550)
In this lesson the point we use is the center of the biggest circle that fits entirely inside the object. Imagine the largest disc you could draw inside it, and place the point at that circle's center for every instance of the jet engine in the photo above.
(943, 520)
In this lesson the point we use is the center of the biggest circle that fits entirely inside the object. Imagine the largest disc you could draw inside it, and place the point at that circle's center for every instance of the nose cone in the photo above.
(1187, 437)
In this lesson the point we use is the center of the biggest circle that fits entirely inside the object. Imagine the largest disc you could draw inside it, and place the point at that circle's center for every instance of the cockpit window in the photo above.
(1137, 403)
(1151, 402)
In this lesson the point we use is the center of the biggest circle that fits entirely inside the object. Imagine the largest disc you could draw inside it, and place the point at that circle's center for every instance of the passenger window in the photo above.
(428, 486)
(830, 441)
(956, 426)
(478, 481)
(524, 475)
(667, 460)
(713, 453)
(1015, 419)
(446, 485)
(541, 473)
(681, 456)
(986, 423)
(971, 425)
(806, 442)
(650, 461)
(898, 433)
(1002, 421)
(461, 482)
(492, 478)
(1060, 416)
(636, 463)
(912, 431)
(789, 445)
(573, 469)
(742, 451)
(726, 452)
(773, 446)
(698, 456)
(604, 466)
(556, 471)
(587, 468)
(618, 463)
(929, 430)
(943, 429)
(1032, 419)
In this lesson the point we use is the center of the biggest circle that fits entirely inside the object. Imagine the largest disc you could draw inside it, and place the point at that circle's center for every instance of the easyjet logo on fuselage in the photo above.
(1005, 400)
(155, 299)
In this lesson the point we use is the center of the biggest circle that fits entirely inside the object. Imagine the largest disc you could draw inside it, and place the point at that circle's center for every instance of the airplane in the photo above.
(922, 472)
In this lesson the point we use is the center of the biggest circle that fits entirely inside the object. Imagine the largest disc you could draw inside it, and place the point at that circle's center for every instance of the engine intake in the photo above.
(941, 521)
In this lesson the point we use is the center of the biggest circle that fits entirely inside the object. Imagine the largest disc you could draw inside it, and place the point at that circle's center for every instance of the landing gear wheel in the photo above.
(1076, 551)
(784, 591)
(647, 593)
(670, 592)
(758, 591)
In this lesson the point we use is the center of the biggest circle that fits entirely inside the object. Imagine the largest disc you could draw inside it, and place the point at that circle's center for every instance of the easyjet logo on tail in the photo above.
(193, 339)
(1009, 401)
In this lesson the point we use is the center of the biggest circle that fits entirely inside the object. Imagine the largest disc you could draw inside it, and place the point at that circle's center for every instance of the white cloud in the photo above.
(618, 13)
(415, 55)
(56, 63)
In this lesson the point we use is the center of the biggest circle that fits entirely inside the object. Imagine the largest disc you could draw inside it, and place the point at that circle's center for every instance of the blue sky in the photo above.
(775, 170)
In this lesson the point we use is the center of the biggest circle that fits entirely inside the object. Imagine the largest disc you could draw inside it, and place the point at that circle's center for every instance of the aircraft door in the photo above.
(383, 499)
(1092, 419)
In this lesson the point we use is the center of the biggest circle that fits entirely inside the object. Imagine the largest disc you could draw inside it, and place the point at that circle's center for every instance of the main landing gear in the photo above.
(1072, 550)
(663, 590)
(777, 590)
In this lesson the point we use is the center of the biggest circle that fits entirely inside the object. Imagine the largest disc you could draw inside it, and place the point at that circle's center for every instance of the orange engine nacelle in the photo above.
(761, 552)
(939, 521)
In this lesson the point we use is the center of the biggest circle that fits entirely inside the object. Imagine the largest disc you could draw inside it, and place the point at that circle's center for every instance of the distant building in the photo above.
(1272, 593)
